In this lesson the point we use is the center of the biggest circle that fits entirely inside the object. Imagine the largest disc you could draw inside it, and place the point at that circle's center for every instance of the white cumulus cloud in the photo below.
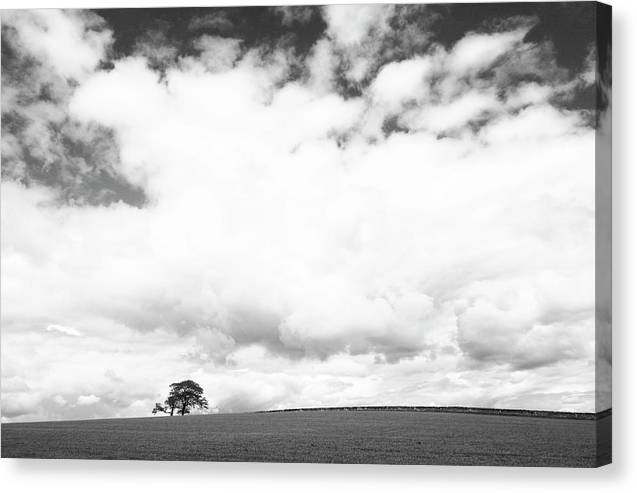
(87, 400)
(63, 329)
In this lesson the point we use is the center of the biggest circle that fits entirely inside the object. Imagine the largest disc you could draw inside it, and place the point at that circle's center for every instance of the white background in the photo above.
(105, 476)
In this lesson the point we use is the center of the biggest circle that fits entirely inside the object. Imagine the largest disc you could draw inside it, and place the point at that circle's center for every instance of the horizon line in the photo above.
(533, 413)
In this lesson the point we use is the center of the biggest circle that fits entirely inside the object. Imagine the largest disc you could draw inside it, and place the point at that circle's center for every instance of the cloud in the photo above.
(476, 52)
(398, 82)
(353, 24)
(156, 47)
(61, 401)
(40, 144)
(87, 400)
(427, 239)
(216, 22)
(295, 14)
(535, 124)
(357, 32)
(62, 329)
(218, 53)
(322, 65)
(72, 41)
(442, 117)
(512, 325)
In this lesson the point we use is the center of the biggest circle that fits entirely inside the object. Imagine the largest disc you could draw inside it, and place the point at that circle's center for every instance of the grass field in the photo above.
(391, 437)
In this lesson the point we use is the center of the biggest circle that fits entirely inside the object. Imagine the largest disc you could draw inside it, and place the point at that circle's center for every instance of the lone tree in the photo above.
(183, 397)
(170, 404)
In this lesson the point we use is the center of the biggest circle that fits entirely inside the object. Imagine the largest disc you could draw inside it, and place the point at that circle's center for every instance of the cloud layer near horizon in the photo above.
(428, 241)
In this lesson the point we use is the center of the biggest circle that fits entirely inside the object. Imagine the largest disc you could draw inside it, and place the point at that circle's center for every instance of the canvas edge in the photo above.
(603, 233)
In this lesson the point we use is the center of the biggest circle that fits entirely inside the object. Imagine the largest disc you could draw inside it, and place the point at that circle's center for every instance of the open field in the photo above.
(338, 436)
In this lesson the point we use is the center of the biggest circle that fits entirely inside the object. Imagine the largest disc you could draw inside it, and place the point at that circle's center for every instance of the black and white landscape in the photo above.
(400, 211)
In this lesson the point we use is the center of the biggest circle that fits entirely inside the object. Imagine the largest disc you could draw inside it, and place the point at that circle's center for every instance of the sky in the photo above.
(301, 207)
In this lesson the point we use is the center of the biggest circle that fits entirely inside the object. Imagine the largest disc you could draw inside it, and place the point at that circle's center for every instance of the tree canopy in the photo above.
(183, 397)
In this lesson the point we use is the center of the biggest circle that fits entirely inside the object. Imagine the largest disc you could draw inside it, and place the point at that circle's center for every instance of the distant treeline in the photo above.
(457, 409)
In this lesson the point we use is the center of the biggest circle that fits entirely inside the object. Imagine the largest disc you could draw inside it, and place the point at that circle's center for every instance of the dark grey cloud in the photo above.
(42, 145)
(217, 22)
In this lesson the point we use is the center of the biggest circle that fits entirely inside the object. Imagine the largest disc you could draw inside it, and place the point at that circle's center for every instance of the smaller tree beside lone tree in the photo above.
(183, 397)
(170, 404)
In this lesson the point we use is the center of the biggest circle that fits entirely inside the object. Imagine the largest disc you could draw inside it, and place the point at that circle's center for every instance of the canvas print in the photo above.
(338, 234)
